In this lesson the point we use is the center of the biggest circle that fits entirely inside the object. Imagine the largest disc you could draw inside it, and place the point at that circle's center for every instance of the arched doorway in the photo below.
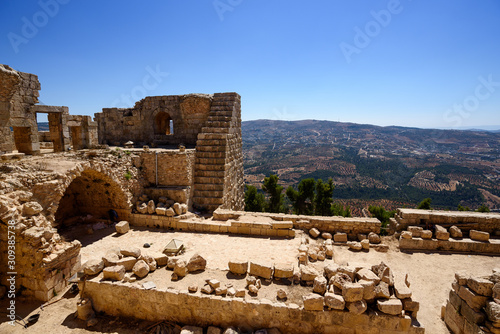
(163, 124)
(87, 202)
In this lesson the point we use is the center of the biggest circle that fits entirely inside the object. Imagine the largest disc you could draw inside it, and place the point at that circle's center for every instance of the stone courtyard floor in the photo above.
(430, 274)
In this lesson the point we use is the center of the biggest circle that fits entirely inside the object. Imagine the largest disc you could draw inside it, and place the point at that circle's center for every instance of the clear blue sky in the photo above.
(381, 62)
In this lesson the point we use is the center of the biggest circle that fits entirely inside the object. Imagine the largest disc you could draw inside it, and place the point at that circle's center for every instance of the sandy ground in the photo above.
(430, 275)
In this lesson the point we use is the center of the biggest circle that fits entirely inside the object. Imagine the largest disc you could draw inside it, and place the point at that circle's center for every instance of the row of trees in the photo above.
(310, 198)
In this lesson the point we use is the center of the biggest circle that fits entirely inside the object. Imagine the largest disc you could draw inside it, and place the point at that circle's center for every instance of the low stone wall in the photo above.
(473, 305)
(465, 220)
(352, 225)
(459, 246)
(121, 299)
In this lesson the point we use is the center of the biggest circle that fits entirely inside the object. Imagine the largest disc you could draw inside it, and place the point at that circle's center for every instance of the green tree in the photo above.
(254, 201)
(303, 198)
(323, 200)
(271, 187)
(463, 208)
(483, 208)
(425, 204)
(338, 209)
(382, 214)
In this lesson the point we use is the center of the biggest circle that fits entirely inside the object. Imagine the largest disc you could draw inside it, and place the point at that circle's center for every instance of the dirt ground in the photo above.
(430, 275)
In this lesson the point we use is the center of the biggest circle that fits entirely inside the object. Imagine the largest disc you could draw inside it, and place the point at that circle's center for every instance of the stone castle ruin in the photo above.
(175, 171)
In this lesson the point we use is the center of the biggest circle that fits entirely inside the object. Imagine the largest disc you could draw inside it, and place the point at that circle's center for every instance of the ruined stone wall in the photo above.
(173, 167)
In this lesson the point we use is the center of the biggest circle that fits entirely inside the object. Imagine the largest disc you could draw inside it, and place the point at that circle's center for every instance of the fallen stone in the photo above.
(131, 251)
(308, 273)
(181, 268)
(231, 292)
(114, 273)
(330, 270)
(406, 235)
(110, 259)
(313, 302)
(354, 245)
(334, 302)
(141, 269)
(390, 306)
(151, 207)
(177, 208)
(368, 289)
(93, 266)
(128, 262)
(251, 280)
(367, 275)
(31, 208)
(481, 286)
(496, 292)
(321, 256)
(352, 292)
(340, 237)
(161, 259)
(426, 234)
(479, 235)
(238, 267)
(184, 208)
(258, 284)
(149, 285)
(193, 288)
(240, 293)
(340, 279)
(207, 289)
(365, 244)
(493, 313)
(455, 232)
(142, 208)
(231, 330)
(314, 232)
(401, 290)
(319, 285)
(122, 227)
(169, 212)
(382, 290)
(410, 305)
(220, 291)
(357, 307)
(150, 261)
(374, 238)
(213, 283)
(283, 270)
(161, 211)
(384, 273)
(214, 330)
(196, 263)
(329, 251)
(326, 236)
(281, 294)
(191, 330)
(171, 262)
(351, 271)
(475, 301)
(253, 289)
(441, 233)
(416, 231)
(264, 270)
(461, 278)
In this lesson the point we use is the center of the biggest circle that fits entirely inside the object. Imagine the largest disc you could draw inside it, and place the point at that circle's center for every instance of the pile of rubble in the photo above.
(363, 242)
(164, 206)
(474, 304)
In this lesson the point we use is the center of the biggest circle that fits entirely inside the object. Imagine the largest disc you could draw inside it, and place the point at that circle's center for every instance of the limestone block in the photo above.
(128, 262)
(333, 301)
(426, 234)
(253, 289)
(493, 313)
(351, 271)
(410, 305)
(340, 279)
(161, 259)
(170, 212)
(283, 270)
(374, 238)
(207, 289)
(93, 266)
(261, 269)
(326, 236)
(319, 285)
(340, 237)
(177, 208)
(130, 251)
(390, 306)
(352, 292)
(314, 232)
(329, 251)
(180, 268)
(496, 292)
(416, 231)
(141, 268)
(151, 207)
(122, 227)
(308, 273)
(406, 235)
(382, 290)
(143, 208)
(368, 289)
(471, 315)
(461, 278)
(357, 307)
(401, 290)
(150, 260)
(238, 267)
(365, 244)
(110, 259)
(441, 233)
(281, 294)
(161, 211)
(213, 283)
(240, 293)
(193, 288)
(196, 263)
(220, 291)
(230, 330)
(475, 301)
(479, 235)
(213, 330)
(330, 270)
(313, 302)
(354, 245)
(367, 275)
(31, 208)
(455, 232)
(481, 286)
(191, 330)
(114, 273)
(384, 273)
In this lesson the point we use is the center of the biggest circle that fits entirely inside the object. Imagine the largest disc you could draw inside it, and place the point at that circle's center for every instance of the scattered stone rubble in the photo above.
(473, 305)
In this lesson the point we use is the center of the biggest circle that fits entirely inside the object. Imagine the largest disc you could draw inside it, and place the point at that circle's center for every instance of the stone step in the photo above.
(207, 180)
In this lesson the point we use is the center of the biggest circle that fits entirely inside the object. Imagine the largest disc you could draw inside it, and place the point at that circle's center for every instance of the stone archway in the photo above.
(90, 193)
(163, 124)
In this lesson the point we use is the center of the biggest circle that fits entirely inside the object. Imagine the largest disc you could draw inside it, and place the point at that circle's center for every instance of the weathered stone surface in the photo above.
(410, 305)
(374, 238)
(115, 273)
(308, 273)
(357, 307)
(314, 232)
(128, 262)
(31, 208)
(326, 236)
(368, 289)
(354, 245)
(351, 271)
(333, 301)
(493, 313)
(384, 273)
(319, 285)
(283, 270)
(479, 235)
(472, 316)
(461, 278)
(352, 292)
(367, 275)
(340, 279)
(231, 292)
(238, 267)
(401, 290)
(329, 251)
(220, 291)
(177, 208)
(390, 306)
(161, 259)
(330, 270)
(196, 263)
(382, 290)
(93, 266)
(426, 234)
(169, 212)
(231, 330)
(150, 260)
(181, 268)
(340, 237)
(416, 231)
(481, 286)
(455, 232)
(441, 233)
(110, 259)
(141, 268)
(313, 302)
(251, 280)
(261, 269)
(131, 251)
(475, 301)
(365, 244)
(406, 235)
(151, 207)
(122, 227)
(496, 292)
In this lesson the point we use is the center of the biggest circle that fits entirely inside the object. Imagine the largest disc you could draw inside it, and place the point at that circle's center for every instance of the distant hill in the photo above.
(368, 163)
